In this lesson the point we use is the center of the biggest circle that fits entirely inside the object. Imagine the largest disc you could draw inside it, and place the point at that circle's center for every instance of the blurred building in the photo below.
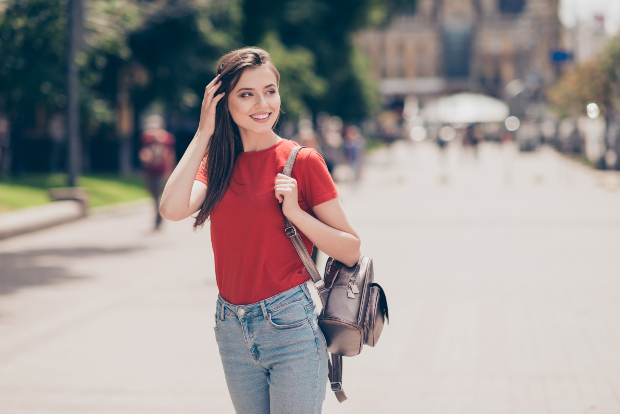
(586, 39)
(448, 46)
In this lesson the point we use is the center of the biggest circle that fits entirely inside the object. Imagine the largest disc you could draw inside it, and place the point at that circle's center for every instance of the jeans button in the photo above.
(240, 312)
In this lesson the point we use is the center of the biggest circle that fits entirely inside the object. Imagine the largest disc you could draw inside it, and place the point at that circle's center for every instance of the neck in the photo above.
(253, 142)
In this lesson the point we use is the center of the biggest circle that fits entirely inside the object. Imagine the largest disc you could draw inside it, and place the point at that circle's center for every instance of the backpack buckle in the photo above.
(290, 231)
(319, 285)
(336, 386)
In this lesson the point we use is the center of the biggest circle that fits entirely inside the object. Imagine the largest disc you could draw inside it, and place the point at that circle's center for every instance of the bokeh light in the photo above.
(593, 110)
(418, 133)
(512, 123)
(447, 133)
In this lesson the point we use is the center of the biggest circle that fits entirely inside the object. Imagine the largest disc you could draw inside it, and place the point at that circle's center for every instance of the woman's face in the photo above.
(254, 103)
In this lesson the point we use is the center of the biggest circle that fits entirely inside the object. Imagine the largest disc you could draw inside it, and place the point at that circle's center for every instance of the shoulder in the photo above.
(310, 158)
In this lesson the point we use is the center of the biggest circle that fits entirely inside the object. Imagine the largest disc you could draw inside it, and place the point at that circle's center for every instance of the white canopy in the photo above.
(465, 108)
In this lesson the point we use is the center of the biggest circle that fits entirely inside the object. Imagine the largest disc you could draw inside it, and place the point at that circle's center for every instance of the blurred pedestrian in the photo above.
(308, 138)
(471, 139)
(158, 158)
(57, 131)
(354, 149)
(272, 351)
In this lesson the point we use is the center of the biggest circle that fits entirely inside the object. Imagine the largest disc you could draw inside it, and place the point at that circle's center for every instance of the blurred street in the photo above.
(502, 275)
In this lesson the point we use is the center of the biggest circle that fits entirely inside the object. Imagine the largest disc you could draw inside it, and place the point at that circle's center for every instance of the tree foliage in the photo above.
(33, 36)
(326, 28)
(594, 81)
(298, 80)
(174, 44)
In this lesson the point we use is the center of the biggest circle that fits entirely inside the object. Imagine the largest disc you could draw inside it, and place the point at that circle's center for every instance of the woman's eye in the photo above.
(243, 95)
(271, 91)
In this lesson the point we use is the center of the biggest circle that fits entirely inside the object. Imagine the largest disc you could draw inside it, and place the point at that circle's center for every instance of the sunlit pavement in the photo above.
(502, 275)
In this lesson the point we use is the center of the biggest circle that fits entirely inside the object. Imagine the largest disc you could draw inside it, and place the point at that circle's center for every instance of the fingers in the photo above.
(213, 81)
(284, 186)
(214, 101)
(209, 92)
(214, 88)
(279, 193)
(282, 192)
(285, 178)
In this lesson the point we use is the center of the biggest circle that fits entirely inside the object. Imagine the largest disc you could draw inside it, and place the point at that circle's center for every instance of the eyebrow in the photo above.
(251, 89)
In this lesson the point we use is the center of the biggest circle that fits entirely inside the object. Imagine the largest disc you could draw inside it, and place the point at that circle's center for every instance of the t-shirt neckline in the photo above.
(268, 150)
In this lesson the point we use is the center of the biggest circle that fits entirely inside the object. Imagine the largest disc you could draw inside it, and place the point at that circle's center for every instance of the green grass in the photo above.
(373, 143)
(103, 189)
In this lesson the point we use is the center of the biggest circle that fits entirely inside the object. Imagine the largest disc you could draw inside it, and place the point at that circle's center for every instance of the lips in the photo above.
(261, 117)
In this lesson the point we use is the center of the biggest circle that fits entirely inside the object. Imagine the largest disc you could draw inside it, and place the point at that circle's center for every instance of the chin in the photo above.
(258, 129)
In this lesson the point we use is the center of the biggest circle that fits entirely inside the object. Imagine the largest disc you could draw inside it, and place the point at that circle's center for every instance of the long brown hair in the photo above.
(225, 144)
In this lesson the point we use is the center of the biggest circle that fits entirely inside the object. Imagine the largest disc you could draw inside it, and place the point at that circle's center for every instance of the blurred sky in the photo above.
(573, 10)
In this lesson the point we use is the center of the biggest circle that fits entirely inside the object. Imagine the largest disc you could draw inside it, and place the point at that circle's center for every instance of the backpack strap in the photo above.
(291, 231)
(335, 376)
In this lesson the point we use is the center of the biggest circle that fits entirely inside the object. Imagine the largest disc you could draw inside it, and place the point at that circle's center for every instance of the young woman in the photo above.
(273, 352)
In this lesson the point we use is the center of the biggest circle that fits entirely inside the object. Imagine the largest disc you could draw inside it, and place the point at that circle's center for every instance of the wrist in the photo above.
(294, 214)
(201, 135)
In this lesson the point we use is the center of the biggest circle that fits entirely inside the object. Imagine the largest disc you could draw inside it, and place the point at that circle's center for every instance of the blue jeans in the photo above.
(274, 354)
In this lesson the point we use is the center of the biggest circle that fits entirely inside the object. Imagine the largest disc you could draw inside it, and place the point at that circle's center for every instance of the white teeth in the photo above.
(260, 116)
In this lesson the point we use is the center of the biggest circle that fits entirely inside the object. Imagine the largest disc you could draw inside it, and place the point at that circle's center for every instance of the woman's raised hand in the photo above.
(207, 112)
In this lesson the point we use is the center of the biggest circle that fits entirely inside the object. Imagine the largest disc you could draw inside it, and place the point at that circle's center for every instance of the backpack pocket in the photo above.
(376, 315)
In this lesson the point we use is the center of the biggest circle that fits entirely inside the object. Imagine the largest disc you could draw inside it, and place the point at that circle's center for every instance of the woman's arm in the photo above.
(331, 232)
(183, 196)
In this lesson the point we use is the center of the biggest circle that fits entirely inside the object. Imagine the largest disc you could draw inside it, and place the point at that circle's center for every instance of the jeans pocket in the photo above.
(216, 326)
(291, 315)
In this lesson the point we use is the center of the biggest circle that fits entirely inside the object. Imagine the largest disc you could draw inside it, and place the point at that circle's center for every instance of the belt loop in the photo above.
(222, 312)
(264, 309)
(304, 287)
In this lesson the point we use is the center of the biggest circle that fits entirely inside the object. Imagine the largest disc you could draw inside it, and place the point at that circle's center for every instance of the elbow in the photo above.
(354, 256)
(168, 213)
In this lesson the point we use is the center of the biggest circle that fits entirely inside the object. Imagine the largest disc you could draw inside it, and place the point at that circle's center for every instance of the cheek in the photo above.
(275, 103)
(237, 110)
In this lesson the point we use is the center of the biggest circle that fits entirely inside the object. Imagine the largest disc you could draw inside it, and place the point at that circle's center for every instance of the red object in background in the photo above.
(157, 153)
(506, 136)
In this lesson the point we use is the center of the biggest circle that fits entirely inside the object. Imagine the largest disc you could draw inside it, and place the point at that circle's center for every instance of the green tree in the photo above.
(326, 28)
(595, 81)
(298, 79)
(33, 36)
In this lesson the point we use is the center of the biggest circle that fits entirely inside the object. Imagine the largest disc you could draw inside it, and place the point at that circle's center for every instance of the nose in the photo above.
(261, 102)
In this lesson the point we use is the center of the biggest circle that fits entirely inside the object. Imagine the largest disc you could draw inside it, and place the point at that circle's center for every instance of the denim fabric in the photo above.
(274, 354)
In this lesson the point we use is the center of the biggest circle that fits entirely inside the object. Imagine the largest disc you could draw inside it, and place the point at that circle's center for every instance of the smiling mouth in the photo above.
(260, 117)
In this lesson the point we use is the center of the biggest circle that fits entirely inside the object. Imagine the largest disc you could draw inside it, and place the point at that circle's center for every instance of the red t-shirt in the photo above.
(254, 259)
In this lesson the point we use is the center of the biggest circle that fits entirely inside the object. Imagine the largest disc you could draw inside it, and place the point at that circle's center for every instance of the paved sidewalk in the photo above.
(14, 223)
(502, 276)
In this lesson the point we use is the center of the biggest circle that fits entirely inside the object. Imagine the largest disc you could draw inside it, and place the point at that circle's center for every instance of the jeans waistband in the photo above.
(261, 307)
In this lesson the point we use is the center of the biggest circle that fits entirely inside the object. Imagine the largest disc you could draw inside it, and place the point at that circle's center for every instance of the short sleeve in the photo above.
(200, 175)
(317, 184)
